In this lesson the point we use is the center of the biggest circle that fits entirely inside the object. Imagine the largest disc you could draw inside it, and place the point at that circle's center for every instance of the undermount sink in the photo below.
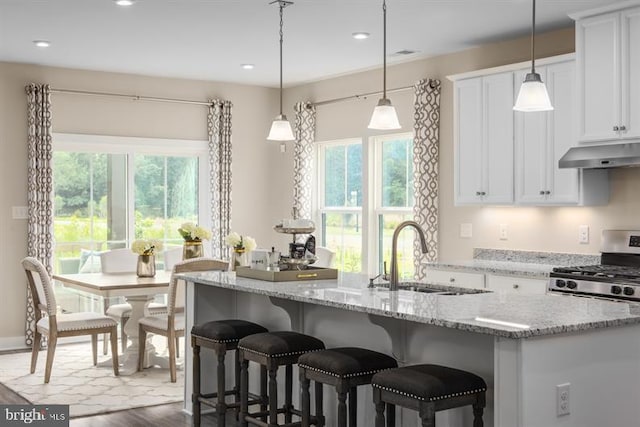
(430, 288)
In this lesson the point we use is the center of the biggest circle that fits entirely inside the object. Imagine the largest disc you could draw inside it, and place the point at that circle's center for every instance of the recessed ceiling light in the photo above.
(248, 66)
(125, 2)
(360, 35)
(41, 43)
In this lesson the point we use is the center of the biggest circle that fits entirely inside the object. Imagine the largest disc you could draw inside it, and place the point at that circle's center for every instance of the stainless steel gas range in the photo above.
(617, 277)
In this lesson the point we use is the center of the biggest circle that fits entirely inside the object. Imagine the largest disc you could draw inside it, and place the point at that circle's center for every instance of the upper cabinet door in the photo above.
(597, 47)
(630, 68)
(468, 141)
(497, 159)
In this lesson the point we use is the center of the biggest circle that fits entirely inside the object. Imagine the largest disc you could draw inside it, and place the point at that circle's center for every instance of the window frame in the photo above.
(132, 146)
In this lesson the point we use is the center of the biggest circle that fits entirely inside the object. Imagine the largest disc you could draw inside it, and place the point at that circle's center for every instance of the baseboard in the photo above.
(17, 343)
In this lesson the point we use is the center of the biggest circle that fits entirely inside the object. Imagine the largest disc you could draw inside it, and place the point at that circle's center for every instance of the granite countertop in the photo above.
(535, 265)
(484, 312)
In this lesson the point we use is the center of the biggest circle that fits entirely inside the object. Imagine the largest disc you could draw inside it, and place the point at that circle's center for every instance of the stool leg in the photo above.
(236, 387)
(195, 395)
(342, 407)
(379, 404)
(391, 415)
(353, 407)
(264, 399)
(273, 397)
(305, 398)
(288, 394)
(478, 410)
(221, 407)
(319, 394)
(244, 391)
(427, 412)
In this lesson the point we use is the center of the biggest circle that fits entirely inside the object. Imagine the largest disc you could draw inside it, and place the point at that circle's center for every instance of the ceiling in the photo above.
(210, 39)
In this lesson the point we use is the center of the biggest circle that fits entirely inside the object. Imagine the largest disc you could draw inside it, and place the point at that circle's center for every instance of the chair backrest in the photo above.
(44, 298)
(172, 256)
(175, 297)
(121, 260)
(325, 257)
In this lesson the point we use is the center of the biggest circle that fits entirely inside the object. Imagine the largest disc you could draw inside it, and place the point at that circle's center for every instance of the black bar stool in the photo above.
(428, 389)
(344, 368)
(221, 336)
(272, 350)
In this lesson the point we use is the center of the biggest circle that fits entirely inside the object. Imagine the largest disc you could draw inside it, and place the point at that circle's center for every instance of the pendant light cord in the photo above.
(282, 5)
(384, 49)
(533, 38)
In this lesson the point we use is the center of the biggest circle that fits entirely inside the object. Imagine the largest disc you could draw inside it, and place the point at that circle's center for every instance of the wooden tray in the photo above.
(310, 273)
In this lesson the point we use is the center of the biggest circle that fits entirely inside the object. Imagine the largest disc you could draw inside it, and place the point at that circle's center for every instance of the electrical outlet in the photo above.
(466, 230)
(503, 232)
(19, 212)
(563, 399)
(583, 234)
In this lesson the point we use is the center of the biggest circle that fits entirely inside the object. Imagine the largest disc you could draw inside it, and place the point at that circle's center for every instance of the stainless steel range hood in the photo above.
(601, 156)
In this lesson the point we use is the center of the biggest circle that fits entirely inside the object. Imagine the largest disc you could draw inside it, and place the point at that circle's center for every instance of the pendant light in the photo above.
(281, 128)
(533, 94)
(384, 116)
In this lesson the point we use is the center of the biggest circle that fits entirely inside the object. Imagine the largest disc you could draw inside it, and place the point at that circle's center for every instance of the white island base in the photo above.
(602, 365)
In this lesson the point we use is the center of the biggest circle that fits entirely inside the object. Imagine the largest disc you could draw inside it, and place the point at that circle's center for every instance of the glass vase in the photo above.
(192, 249)
(146, 266)
(239, 258)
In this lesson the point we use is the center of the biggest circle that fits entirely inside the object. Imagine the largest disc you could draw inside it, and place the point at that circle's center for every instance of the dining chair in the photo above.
(171, 324)
(119, 261)
(54, 325)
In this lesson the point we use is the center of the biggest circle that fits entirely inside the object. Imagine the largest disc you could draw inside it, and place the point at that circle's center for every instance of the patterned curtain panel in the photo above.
(425, 167)
(39, 186)
(219, 128)
(305, 132)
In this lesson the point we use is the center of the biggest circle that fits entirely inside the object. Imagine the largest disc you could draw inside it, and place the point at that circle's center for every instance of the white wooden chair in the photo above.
(325, 257)
(171, 324)
(118, 261)
(54, 326)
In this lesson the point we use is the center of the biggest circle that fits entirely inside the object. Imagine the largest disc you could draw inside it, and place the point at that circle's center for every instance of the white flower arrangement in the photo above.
(192, 232)
(146, 246)
(240, 243)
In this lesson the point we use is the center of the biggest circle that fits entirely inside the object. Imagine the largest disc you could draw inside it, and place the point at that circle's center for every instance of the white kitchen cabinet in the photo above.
(516, 285)
(455, 278)
(608, 74)
(483, 134)
(542, 138)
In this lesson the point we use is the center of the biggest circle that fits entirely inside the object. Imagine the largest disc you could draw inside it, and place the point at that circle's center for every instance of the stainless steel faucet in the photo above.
(393, 282)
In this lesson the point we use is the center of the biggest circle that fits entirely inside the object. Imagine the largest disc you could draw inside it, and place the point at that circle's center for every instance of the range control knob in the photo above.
(560, 283)
(571, 284)
(616, 290)
(628, 290)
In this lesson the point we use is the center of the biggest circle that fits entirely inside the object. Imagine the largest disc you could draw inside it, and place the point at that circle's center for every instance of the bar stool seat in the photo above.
(271, 350)
(428, 389)
(221, 336)
(345, 368)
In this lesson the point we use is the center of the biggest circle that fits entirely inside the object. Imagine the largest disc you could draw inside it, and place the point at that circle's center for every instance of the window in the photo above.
(363, 194)
(111, 190)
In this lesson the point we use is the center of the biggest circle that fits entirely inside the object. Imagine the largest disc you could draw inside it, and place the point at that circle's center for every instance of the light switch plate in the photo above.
(466, 230)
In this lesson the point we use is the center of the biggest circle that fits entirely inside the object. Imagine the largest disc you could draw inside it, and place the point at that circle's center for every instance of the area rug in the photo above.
(86, 388)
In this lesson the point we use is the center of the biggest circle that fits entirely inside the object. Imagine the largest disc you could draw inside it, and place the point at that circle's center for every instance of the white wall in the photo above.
(254, 108)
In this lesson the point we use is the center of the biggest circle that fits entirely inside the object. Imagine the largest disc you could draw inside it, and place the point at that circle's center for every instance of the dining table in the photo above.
(137, 291)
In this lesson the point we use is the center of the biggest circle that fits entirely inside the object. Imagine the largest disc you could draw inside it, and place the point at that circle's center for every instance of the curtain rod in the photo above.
(362, 95)
(132, 97)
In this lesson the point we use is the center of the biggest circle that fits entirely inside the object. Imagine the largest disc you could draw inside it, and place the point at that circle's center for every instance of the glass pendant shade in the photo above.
(384, 116)
(533, 95)
(280, 129)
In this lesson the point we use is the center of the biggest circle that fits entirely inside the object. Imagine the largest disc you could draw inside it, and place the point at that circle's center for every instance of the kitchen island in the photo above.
(524, 346)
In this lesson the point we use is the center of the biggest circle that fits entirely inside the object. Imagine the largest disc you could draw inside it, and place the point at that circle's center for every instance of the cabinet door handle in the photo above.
(542, 192)
(452, 279)
(516, 286)
(616, 128)
(478, 193)
(483, 193)
(623, 128)
(547, 192)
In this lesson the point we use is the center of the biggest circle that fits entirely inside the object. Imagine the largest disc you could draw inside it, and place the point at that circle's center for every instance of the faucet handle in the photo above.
(385, 275)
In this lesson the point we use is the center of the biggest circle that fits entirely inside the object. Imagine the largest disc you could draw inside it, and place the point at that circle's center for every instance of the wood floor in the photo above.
(169, 415)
